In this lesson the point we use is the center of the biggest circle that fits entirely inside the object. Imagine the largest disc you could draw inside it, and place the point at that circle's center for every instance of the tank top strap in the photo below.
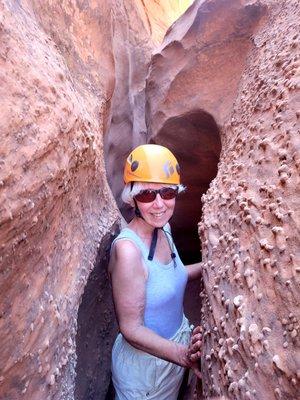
(129, 234)
(167, 230)
(168, 234)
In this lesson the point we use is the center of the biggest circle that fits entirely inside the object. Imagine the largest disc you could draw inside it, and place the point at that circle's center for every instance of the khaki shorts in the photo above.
(138, 375)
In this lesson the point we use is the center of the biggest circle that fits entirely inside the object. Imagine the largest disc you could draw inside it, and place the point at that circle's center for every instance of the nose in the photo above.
(158, 202)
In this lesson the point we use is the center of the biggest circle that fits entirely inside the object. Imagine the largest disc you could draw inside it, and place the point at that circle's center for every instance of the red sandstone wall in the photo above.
(57, 73)
(250, 227)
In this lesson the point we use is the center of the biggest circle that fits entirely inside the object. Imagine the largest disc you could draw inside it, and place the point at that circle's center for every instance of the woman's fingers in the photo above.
(195, 356)
(195, 338)
(194, 353)
(198, 329)
(197, 371)
(195, 346)
(196, 334)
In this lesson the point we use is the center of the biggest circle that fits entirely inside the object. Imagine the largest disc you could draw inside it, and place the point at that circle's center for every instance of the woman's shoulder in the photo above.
(126, 245)
(127, 256)
(128, 238)
(125, 232)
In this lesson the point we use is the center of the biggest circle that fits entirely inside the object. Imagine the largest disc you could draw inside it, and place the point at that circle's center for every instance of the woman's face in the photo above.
(158, 212)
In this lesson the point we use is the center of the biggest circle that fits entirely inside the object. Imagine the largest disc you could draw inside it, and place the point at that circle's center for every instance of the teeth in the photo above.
(158, 214)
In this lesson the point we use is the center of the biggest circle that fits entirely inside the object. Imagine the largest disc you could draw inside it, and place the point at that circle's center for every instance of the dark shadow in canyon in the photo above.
(96, 331)
(194, 138)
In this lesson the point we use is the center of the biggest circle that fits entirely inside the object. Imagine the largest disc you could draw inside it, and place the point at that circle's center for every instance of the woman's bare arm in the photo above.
(194, 271)
(128, 281)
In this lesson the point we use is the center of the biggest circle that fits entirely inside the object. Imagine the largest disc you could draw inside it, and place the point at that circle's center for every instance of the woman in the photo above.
(148, 279)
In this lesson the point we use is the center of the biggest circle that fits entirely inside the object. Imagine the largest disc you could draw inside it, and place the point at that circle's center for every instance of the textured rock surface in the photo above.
(250, 227)
(56, 75)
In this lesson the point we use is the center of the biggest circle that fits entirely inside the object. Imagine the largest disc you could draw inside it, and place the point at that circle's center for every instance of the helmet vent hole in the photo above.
(134, 165)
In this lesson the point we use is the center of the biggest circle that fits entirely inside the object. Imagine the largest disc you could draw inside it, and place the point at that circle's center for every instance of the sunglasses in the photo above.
(149, 195)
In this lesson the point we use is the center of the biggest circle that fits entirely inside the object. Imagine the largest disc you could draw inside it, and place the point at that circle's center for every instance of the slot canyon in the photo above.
(84, 82)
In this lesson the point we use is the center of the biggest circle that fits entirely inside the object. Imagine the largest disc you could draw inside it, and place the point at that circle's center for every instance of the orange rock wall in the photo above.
(250, 226)
(227, 74)
(57, 74)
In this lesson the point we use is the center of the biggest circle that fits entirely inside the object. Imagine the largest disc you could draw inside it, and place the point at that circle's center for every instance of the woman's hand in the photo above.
(194, 350)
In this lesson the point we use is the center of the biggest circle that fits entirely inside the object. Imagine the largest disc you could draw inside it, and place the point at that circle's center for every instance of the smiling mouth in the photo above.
(158, 215)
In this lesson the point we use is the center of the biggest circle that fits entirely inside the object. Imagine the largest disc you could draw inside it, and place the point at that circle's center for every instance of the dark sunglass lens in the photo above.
(146, 196)
(168, 193)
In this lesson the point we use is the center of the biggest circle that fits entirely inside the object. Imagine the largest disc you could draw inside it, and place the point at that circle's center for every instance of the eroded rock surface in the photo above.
(56, 75)
(250, 227)
(228, 71)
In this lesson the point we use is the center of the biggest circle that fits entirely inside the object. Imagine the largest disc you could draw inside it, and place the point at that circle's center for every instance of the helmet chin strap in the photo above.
(153, 244)
(154, 237)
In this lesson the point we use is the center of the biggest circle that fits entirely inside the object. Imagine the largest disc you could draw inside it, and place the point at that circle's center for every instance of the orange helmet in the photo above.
(152, 163)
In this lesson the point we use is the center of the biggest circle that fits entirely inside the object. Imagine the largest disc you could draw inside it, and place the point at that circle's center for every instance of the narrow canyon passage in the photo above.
(84, 82)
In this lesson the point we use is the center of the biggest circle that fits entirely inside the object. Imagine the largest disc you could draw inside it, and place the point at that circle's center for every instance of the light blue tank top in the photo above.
(165, 288)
